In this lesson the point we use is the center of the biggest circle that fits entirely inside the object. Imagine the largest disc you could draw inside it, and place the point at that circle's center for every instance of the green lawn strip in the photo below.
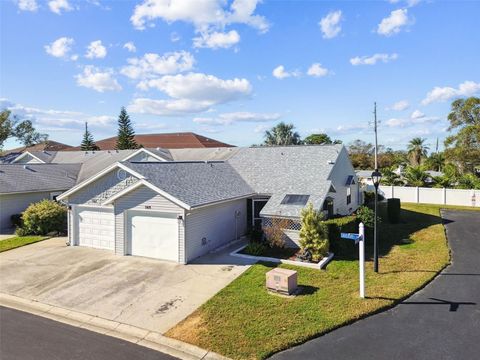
(18, 241)
(243, 321)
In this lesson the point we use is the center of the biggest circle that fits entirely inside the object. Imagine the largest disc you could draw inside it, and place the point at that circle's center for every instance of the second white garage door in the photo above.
(96, 228)
(153, 235)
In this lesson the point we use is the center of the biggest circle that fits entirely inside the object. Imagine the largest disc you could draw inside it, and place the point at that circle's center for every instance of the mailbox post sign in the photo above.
(360, 240)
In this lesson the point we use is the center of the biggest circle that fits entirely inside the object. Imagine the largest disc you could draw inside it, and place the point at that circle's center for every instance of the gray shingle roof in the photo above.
(205, 154)
(194, 183)
(282, 170)
(37, 177)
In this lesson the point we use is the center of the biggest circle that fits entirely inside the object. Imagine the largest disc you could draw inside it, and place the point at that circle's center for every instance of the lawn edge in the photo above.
(16, 247)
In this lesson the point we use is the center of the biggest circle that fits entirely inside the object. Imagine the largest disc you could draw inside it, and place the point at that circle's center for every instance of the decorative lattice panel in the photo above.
(290, 223)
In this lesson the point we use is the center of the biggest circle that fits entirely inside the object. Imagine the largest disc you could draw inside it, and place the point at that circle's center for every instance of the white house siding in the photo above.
(96, 189)
(144, 199)
(340, 172)
(216, 224)
(15, 204)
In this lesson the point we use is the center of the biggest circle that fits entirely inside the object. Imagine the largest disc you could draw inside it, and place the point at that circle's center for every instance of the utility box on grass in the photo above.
(282, 281)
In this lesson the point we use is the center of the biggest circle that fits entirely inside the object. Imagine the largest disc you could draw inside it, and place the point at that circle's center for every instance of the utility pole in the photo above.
(376, 183)
(436, 147)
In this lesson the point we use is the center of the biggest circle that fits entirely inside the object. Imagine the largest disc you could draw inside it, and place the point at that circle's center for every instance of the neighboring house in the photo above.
(179, 210)
(179, 140)
(22, 185)
(365, 177)
(33, 168)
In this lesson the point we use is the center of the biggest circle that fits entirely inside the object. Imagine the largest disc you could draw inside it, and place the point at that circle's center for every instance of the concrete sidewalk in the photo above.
(136, 335)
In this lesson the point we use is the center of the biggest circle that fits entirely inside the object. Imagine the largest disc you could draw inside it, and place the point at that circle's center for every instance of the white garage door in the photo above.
(153, 235)
(96, 228)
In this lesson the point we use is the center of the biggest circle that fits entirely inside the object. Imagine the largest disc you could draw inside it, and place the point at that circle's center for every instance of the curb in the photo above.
(321, 265)
(133, 334)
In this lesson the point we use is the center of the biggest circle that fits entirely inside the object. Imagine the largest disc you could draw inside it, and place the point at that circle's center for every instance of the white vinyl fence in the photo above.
(432, 195)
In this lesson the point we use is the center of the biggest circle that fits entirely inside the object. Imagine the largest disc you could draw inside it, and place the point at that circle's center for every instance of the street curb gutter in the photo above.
(136, 335)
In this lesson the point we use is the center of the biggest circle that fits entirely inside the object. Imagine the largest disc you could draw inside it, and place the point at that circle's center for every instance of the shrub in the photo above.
(256, 234)
(274, 233)
(369, 197)
(16, 220)
(44, 217)
(367, 216)
(393, 210)
(342, 248)
(314, 233)
(255, 249)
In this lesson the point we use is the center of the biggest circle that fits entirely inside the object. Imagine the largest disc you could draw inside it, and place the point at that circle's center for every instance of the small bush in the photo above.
(255, 249)
(256, 234)
(342, 248)
(44, 217)
(274, 233)
(393, 210)
(367, 216)
(314, 233)
(16, 220)
(369, 197)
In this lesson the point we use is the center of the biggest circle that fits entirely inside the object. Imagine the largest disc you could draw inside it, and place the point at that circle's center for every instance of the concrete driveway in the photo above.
(147, 293)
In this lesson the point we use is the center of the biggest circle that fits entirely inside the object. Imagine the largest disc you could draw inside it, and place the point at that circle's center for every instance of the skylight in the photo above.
(295, 199)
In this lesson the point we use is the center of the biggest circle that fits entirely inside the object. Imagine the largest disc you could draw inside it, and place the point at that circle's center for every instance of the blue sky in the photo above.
(231, 69)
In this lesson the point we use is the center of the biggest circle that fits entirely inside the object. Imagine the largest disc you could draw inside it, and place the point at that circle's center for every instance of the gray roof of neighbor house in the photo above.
(284, 170)
(198, 154)
(194, 183)
(364, 173)
(37, 177)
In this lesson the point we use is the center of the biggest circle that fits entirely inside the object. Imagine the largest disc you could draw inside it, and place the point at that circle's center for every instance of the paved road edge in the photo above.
(139, 336)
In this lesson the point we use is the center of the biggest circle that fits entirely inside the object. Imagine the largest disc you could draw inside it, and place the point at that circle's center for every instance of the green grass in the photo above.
(243, 321)
(17, 241)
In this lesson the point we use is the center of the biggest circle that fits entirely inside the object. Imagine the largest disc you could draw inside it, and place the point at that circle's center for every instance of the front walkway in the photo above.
(147, 293)
(442, 321)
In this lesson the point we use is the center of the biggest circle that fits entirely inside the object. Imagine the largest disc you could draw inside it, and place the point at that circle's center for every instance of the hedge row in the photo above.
(343, 249)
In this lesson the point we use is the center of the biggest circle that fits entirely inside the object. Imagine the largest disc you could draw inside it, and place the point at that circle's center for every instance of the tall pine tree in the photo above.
(87, 143)
(126, 134)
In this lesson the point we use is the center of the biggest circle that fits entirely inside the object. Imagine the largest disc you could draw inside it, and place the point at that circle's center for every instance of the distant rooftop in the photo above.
(180, 140)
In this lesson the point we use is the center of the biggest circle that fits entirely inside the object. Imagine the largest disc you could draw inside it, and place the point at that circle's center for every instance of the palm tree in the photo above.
(389, 177)
(415, 176)
(282, 134)
(436, 161)
(417, 150)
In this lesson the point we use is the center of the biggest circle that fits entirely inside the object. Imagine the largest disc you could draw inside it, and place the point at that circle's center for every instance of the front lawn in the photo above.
(18, 241)
(243, 321)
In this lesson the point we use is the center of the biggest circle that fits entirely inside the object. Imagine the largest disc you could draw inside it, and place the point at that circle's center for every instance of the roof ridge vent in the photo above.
(330, 162)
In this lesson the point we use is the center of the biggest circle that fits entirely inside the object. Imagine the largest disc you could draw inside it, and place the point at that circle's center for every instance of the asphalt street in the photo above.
(25, 336)
(442, 321)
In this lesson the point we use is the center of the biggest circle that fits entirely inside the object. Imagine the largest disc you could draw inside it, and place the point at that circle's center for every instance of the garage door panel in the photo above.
(153, 235)
(96, 228)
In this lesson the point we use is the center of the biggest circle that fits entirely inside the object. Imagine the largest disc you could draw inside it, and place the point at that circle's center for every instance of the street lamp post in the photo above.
(376, 176)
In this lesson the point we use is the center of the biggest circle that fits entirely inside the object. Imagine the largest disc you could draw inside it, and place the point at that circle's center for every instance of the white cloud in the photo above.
(95, 50)
(417, 114)
(440, 94)
(151, 65)
(190, 93)
(215, 40)
(130, 46)
(393, 23)
(409, 3)
(57, 6)
(317, 70)
(372, 60)
(27, 5)
(170, 107)
(237, 117)
(414, 120)
(200, 87)
(97, 79)
(399, 105)
(203, 14)
(60, 47)
(330, 24)
(280, 73)
(48, 117)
